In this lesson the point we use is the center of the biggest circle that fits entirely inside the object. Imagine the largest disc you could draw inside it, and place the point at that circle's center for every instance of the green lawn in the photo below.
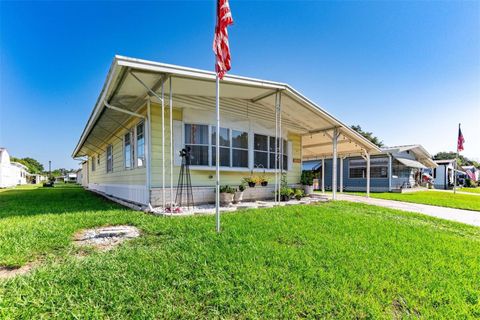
(435, 198)
(471, 190)
(334, 260)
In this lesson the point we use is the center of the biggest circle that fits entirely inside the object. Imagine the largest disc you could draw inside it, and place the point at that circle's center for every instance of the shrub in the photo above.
(469, 183)
(307, 178)
(299, 194)
(227, 189)
(241, 187)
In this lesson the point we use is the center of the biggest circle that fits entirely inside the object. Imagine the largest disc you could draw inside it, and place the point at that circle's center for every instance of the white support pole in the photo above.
(163, 146)
(323, 175)
(334, 165)
(148, 150)
(389, 172)
(280, 133)
(341, 174)
(217, 157)
(170, 104)
(367, 155)
(276, 189)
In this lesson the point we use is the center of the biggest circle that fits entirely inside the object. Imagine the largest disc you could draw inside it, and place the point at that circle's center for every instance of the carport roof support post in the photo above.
(334, 164)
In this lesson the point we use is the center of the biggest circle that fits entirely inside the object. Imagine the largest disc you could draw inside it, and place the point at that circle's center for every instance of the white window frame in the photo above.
(250, 150)
(284, 149)
(364, 172)
(131, 150)
(135, 148)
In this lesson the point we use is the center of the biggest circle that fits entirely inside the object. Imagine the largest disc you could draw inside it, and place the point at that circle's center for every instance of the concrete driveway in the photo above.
(458, 215)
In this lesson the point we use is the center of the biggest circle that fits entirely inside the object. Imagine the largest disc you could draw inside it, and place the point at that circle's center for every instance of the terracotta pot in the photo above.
(238, 197)
(226, 198)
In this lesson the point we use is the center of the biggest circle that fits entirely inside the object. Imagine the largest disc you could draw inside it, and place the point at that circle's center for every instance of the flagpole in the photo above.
(217, 157)
(455, 167)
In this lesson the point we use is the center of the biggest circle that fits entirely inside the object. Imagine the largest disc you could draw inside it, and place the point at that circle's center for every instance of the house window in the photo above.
(110, 158)
(239, 149)
(378, 168)
(93, 163)
(196, 138)
(264, 152)
(233, 146)
(140, 145)
(224, 147)
(127, 150)
(401, 171)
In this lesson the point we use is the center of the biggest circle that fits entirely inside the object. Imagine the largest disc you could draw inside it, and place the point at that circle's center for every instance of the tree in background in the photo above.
(368, 135)
(32, 165)
(462, 161)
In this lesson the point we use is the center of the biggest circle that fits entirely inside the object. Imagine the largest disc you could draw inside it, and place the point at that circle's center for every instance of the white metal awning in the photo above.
(240, 97)
(411, 163)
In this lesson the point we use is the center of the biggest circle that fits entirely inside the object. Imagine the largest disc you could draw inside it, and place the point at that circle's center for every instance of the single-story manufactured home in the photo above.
(394, 169)
(11, 173)
(147, 112)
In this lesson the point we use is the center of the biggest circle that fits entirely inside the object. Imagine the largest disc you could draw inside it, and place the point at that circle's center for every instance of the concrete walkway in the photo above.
(458, 215)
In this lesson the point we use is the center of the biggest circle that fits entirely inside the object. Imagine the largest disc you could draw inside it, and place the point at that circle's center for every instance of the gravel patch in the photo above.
(106, 238)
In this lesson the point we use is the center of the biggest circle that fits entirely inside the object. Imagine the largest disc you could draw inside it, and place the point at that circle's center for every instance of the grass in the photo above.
(435, 198)
(471, 190)
(335, 260)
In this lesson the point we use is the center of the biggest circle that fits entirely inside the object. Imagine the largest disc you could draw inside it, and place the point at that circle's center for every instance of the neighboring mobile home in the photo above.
(395, 169)
(443, 174)
(11, 173)
(133, 147)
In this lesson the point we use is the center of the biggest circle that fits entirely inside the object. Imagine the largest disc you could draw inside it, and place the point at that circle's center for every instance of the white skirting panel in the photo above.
(134, 193)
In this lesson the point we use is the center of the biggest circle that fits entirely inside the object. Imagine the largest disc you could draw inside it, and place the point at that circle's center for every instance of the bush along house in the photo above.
(147, 112)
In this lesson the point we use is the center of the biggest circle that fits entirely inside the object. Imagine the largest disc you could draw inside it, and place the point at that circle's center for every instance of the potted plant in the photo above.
(226, 195)
(285, 193)
(307, 181)
(263, 180)
(299, 194)
(239, 193)
(251, 181)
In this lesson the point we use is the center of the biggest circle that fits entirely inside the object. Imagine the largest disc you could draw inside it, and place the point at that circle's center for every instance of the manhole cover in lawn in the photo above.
(106, 238)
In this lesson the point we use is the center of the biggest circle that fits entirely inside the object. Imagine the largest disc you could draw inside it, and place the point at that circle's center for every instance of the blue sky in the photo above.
(408, 71)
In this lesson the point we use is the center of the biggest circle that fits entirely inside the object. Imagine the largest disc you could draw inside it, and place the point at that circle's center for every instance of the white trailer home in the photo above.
(147, 112)
(11, 173)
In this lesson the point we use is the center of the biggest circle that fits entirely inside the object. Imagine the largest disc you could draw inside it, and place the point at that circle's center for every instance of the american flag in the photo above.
(460, 140)
(220, 41)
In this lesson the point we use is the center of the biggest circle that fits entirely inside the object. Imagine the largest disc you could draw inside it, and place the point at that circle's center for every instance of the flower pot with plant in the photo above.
(226, 195)
(239, 193)
(263, 180)
(307, 181)
(299, 194)
(286, 193)
(251, 181)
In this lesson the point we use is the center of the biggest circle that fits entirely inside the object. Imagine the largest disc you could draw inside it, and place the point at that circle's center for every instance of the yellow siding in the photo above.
(202, 177)
(137, 176)
(119, 175)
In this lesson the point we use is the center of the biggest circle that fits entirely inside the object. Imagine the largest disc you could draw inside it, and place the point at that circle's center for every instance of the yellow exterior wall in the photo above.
(202, 178)
(119, 175)
(137, 176)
